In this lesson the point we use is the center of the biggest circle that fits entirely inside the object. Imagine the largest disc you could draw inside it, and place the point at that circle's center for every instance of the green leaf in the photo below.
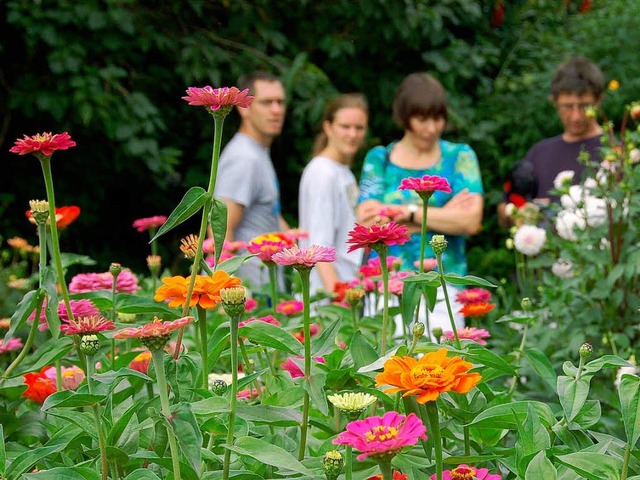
(629, 393)
(428, 278)
(605, 361)
(120, 425)
(231, 265)
(573, 393)
(68, 473)
(3, 453)
(210, 405)
(326, 341)
(190, 204)
(84, 420)
(23, 310)
(361, 351)
(541, 365)
(49, 284)
(411, 294)
(455, 279)
(48, 353)
(479, 354)
(592, 466)
(69, 398)
(540, 468)
(188, 434)
(110, 377)
(128, 303)
(268, 414)
(532, 435)
(265, 334)
(142, 474)
(589, 414)
(28, 459)
(511, 415)
(218, 221)
(315, 388)
(268, 454)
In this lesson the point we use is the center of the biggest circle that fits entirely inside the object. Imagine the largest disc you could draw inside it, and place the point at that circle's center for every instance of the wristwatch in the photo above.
(413, 208)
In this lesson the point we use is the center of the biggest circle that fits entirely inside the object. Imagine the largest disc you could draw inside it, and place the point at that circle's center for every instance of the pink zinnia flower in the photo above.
(149, 223)
(249, 393)
(426, 185)
(10, 345)
(465, 472)
(296, 233)
(373, 268)
(127, 282)
(214, 98)
(141, 362)
(250, 305)
(304, 257)
(429, 264)
(72, 377)
(382, 436)
(43, 143)
(157, 328)
(87, 325)
(468, 333)
(79, 308)
(266, 319)
(396, 285)
(265, 246)
(377, 236)
(294, 370)
(290, 307)
(473, 295)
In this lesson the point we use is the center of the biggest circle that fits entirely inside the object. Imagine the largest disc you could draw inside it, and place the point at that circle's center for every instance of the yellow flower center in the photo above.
(381, 433)
(463, 473)
(426, 372)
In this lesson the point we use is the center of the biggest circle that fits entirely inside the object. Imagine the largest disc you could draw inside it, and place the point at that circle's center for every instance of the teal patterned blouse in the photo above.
(380, 180)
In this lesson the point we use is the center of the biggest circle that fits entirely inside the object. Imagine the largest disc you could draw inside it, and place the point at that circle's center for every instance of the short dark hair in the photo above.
(579, 76)
(248, 80)
(419, 94)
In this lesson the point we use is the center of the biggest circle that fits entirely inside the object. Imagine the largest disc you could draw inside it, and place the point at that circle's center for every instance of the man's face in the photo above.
(572, 110)
(265, 116)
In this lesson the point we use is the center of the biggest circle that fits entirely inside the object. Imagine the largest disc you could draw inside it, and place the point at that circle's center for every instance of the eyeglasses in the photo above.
(570, 107)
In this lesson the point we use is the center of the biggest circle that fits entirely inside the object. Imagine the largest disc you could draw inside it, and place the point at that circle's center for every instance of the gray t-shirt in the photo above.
(327, 199)
(246, 176)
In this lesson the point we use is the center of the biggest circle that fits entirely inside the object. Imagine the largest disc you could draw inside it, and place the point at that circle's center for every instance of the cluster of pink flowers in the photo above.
(290, 307)
(294, 369)
(79, 308)
(149, 223)
(10, 345)
(468, 333)
(127, 282)
(382, 436)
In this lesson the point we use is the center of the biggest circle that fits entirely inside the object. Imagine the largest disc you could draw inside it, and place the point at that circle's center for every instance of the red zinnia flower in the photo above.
(214, 98)
(426, 185)
(87, 325)
(64, 215)
(43, 143)
(39, 386)
(141, 362)
(396, 476)
(477, 309)
(148, 223)
(377, 235)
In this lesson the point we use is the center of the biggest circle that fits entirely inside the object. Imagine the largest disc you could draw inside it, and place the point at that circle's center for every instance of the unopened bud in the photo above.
(354, 295)
(154, 262)
(586, 350)
(115, 269)
(39, 210)
(437, 333)
(438, 244)
(509, 243)
(89, 344)
(233, 300)
(219, 387)
(332, 464)
(526, 304)
(418, 329)
(126, 317)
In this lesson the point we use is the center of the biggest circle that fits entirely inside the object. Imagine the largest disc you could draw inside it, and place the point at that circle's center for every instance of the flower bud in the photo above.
(634, 111)
(332, 464)
(586, 350)
(438, 244)
(115, 269)
(233, 300)
(591, 112)
(126, 317)
(89, 344)
(418, 329)
(437, 333)
(154, 262)
(526, 304)
(219, 387)
(39, 210)
(189, 245)
(354, 295)
(509, 243)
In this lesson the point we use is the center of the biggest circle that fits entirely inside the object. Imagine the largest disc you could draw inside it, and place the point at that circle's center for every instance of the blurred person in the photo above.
(247, 180)
(329, 191)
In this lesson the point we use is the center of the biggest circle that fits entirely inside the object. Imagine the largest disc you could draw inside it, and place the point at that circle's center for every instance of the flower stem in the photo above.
(423, 230)
(382, 253)
(248, 367)
(625, 463)
(385, 469)
(443, 282)
(234, 397)
(204, 340)
(348, 462)
(102, 443)
(273, 283)
(28, 342)
(432, 412)
(304, 425)
(45, 163)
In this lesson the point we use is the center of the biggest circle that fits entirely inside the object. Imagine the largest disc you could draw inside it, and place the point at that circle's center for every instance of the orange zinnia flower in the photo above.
(39, 386)
(206, 291)
(477, 309)
(428, 377)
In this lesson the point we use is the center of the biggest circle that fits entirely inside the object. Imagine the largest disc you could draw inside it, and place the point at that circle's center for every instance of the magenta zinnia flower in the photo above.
(465, 472)
(266, 319)
(87, 325)
(90, 282)
(292, 367)
(473, 295)
(148, 223)
(267, 245)
(377, 235)
(214, 98)
(382, 436)
(290, 307)
(43, 143)
(426, 185)
(396, 285)
(468, 333)
(79, 308)
(304, 257)
(10, 345)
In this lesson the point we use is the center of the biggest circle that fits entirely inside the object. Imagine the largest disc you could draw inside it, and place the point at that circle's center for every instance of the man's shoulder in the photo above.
(242, 147)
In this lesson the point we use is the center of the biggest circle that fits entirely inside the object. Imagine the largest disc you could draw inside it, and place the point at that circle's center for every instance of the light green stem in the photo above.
(114, 286)
(348, 462)
(382, 254)
(28, 342)
(432, 412)
(166, 410)
(385, 469)
(625, 462)
(234, 397)
(102, 443)
(447, 301)
(204, 222)
(204, 341)
(423, 229)
(304, 425)
(273, 283)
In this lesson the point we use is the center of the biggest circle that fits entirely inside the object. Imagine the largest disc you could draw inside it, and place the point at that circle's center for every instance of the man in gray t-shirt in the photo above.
(246, 179)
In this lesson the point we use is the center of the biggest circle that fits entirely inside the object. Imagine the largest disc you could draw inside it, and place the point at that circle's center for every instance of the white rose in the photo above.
(573, 198)
(563, 179)
(562, 268)
(595, 211)
(566, 221)
(529, 239)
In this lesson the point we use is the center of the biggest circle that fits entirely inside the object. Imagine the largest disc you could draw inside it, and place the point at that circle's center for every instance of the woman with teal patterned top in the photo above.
(420, 108)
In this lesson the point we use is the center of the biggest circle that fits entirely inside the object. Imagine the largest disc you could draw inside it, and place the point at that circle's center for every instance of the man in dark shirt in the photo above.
(576, 91)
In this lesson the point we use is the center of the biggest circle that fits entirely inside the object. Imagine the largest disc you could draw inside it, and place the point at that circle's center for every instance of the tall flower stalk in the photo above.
(303, 260)
(439, 245)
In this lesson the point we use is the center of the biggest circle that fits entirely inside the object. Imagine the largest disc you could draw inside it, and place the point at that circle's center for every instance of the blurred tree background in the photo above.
(111, 73)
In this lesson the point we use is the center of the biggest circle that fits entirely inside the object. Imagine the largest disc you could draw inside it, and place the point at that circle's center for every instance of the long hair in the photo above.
(346, 100)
